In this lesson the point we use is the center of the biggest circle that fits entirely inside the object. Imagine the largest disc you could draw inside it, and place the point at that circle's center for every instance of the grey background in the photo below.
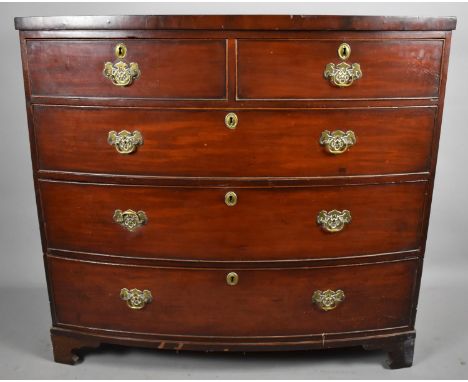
(442, 337)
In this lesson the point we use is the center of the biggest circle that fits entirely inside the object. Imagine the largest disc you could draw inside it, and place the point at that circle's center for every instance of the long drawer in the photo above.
(294, 69)
(264, 302)
(168, 68)
(266, 223)
(265, 143)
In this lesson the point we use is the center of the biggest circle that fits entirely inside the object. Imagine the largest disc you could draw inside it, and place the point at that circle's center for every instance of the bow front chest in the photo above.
(234, 183)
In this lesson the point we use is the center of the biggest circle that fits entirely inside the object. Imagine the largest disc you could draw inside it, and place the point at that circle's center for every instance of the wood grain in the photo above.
(293, 69)
(263, 303)
(268, 143)
(266, 224)
(274, 81)
(237, 22)
(170, 69)
(389, 340)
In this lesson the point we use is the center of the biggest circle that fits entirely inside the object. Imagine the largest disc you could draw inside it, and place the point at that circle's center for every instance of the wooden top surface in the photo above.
(235, 22)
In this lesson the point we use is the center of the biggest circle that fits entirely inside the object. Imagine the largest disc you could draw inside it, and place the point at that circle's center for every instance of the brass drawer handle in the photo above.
(124, 141)
(130, 219)
(135, 298)
(230, 198)
(119, 72)
(343, 74)
(333, 221)
(329, 299)
(232, 278)
(337, 142)
(231, 120)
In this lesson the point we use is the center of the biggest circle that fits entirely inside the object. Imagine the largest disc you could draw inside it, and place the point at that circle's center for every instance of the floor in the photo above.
(25, 349)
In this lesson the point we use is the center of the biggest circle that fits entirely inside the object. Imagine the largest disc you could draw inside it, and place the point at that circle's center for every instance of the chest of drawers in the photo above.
(234, 183)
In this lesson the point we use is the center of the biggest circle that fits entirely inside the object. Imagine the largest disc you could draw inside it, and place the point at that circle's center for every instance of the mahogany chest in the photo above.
(234, 183)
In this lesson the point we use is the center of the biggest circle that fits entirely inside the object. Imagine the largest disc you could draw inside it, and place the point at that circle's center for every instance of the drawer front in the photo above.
(294, 69)
(263, 303)
(168, 68)
(196, 223)
(264, 143)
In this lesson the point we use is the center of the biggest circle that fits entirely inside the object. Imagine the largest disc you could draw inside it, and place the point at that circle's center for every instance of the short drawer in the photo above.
(294, 69)
(265, 223)
(269, 143)
(265, 302)
(169, 69)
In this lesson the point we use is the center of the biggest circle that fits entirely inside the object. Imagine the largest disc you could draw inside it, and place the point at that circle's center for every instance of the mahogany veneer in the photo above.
(174, 68)
(412, 68)
(148, 248)
(390, 141)
(266, 224)
(269, 303)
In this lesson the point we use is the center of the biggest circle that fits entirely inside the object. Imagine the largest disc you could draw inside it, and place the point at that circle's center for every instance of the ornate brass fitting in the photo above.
(130, 219)
(337, 142)
(329, 299)
(135, 298)
(124, 141)
(333, 221)
(119, 72)
(343, 74)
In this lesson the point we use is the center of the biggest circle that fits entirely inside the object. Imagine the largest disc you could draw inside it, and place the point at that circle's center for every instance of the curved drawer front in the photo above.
(168, 69)
(195, 223)
(262, 303)
(294, 69)
(283, 143)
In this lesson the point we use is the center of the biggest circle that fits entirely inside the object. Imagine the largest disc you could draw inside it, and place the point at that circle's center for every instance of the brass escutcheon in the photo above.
(344, 51)
(120, 50)
(232, 278)
(230, 198)
(231, 120)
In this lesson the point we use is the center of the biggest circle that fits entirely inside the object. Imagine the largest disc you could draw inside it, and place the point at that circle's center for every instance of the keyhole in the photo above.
(230, 198)
(344, 51)
(231, 121)
(232, 278)
(120, 50)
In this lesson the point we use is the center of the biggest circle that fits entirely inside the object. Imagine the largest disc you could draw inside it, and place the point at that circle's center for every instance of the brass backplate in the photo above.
(135, 298)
